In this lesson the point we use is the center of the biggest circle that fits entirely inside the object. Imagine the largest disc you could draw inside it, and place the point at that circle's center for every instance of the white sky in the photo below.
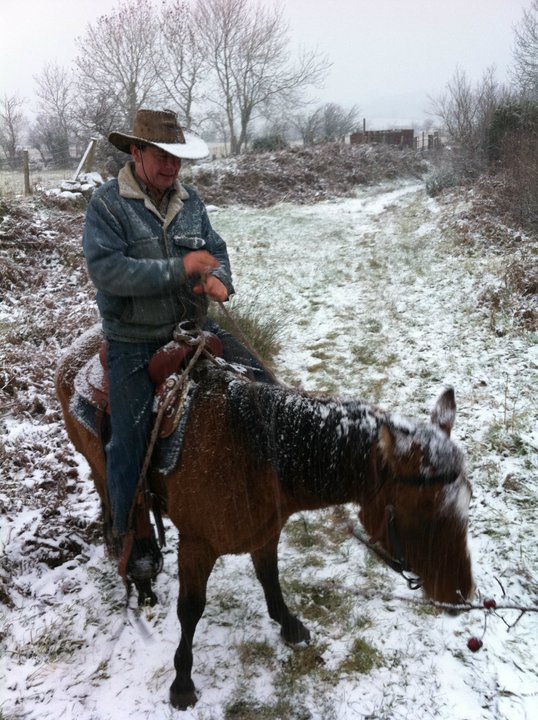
(389, 56)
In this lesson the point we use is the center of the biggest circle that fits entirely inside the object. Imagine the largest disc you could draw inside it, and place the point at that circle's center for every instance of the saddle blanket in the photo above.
(167, 450)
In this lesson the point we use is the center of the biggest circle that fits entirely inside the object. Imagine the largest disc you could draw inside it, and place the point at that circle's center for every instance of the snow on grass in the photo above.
(381, 302)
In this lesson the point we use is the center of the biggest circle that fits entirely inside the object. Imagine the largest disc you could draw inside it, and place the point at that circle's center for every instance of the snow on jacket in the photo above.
(134, 258)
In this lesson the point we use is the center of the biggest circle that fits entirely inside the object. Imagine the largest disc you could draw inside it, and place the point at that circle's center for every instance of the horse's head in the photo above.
(418, 513)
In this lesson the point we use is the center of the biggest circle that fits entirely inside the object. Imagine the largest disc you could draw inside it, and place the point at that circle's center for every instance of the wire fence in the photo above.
(42, 176)
(12, 181)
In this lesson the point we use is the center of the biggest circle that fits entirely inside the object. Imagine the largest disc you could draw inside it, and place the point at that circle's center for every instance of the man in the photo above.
(155, 261)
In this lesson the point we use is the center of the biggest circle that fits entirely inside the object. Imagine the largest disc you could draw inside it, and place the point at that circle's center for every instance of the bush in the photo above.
(451, 171)
(509, 123)
(513, 152)
(269, 143)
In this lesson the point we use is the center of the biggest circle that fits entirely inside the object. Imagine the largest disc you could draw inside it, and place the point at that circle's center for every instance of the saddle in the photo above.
(164, 368)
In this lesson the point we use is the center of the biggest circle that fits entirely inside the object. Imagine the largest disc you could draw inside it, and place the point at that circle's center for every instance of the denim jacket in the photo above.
(135, 258)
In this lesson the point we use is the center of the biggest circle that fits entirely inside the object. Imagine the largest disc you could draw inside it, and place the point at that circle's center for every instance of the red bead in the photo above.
(474, 644)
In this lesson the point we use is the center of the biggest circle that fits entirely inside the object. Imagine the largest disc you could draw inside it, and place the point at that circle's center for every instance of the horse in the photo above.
(256, 453)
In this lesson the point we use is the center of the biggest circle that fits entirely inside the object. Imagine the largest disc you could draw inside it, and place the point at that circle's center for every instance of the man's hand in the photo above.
(198, 265)
(212, 287)
(199, 262)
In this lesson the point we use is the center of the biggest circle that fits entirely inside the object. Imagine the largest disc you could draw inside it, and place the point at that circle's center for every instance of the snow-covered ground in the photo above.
(378, 300)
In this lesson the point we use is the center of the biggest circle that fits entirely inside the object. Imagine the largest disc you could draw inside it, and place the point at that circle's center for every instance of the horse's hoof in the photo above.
(294, 632)
(146, 596)
(182, 699)
(148, 600)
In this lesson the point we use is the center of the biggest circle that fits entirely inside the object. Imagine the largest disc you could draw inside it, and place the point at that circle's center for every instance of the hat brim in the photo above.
(194, 148)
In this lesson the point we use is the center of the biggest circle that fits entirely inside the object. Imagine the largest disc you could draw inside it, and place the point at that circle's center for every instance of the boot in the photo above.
(145, 560)
(140, 559)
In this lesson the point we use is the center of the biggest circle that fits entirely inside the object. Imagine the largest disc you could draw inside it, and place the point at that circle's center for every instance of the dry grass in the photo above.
(303, 175)
(487, 217)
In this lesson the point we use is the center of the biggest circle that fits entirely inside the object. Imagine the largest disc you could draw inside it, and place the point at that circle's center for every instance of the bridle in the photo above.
(396, 560)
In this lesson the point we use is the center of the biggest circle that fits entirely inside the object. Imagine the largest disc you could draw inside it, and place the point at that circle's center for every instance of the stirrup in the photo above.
(140, 559)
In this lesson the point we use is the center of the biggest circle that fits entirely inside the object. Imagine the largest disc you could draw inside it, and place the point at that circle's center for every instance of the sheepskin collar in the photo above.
(131, 189)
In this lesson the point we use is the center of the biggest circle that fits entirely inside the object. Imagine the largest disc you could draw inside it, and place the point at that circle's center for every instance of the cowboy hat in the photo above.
(161, 129)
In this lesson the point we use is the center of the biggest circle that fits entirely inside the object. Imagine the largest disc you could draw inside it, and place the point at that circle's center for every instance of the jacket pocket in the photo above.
(188, 242)
(147, 247)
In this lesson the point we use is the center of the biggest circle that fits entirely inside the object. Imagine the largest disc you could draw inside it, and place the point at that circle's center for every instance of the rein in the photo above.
(396, 562)
(198, 340)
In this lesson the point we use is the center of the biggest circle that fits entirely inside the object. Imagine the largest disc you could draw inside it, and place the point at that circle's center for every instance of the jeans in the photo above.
(131, 399)
(131, 404)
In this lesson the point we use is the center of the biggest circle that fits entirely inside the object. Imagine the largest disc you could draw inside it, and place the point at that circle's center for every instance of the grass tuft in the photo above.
(252, 325)
(362, 658)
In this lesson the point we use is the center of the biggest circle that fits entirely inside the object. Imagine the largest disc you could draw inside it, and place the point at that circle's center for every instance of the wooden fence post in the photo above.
(26, 170)
(87, 159)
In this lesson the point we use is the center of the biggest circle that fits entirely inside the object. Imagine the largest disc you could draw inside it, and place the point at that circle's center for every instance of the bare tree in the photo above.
(336, 122)
(54, 126)
(181, 61)
(217, 127)
(326, 123)
(12, 123)
(227, 53)
(248, 50)
(457, 109)
(98, 113)
(525, 70)
(466, 111)
(115, 64)
(308, 125)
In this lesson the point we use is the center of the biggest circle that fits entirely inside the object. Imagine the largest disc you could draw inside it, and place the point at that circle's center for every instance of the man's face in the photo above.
(155, 167)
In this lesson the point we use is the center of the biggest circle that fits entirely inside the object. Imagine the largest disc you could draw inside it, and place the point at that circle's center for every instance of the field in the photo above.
(12, 181)
(386, 294)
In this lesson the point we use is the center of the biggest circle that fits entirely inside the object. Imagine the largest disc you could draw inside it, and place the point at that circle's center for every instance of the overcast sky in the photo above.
(389, 56)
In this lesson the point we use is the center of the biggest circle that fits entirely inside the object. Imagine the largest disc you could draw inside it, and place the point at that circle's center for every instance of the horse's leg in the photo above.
(194, 570)
(266, 566)
(146, 594)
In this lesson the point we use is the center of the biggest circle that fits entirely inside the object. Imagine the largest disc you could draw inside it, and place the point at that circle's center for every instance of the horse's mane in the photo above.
(310, 440)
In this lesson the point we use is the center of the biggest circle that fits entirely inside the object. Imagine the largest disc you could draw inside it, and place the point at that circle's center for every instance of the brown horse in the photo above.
(254, 454)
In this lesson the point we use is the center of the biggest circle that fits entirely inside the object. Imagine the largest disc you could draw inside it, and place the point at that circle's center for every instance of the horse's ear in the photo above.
(403, 458)
(444, 413)
(387, 441)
